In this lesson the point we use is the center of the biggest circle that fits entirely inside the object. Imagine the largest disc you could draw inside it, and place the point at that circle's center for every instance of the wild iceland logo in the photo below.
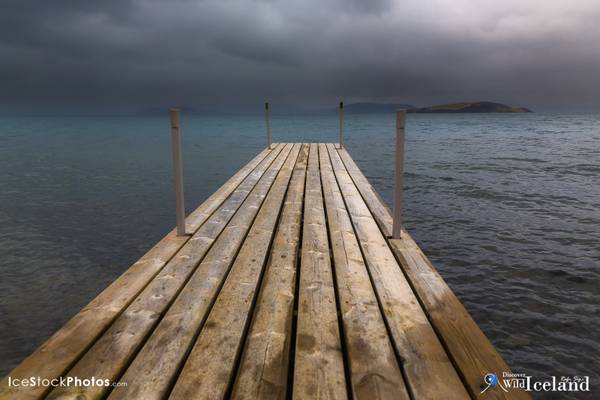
(491, 380)
(512, 381)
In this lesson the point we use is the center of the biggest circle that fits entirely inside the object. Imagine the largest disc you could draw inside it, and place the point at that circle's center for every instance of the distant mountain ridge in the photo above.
(366, 108)
(470, 107)
(462, 107)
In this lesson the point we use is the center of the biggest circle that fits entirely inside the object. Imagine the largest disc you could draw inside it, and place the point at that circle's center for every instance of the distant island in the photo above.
(470, 107)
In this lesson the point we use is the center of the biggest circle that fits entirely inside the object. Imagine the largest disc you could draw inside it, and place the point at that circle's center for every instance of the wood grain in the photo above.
(162, 357)
(429, 373)
(318, 366)
(375, 373)
(209, 369)
(212, 315)
(468, 347)
(111, 354)
(263, 370)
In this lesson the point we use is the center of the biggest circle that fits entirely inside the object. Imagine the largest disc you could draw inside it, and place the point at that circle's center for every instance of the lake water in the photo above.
(506, 206)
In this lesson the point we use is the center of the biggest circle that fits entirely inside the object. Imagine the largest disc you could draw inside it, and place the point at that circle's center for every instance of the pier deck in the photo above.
(288, 286)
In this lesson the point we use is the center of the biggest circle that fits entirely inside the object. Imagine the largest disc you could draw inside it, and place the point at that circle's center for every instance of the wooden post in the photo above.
(268, 122)
(177, 172)
(341, 124)
(399, 174)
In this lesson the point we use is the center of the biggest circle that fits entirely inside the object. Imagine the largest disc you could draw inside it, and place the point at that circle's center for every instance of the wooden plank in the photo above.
(318, 365)
(428, 371)
(201, 214)
(263, 370)
(54, 357)
(377, 206)
(471, 351)
(375, 373)
(468, 346)
(111, 354)
(209, 369)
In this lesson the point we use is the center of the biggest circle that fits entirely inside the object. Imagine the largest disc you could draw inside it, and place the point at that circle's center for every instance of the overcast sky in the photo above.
(124, 55)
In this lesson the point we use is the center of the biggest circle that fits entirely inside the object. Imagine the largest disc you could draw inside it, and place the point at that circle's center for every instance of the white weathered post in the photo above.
(268, 122)
(399, 174)
(177, 172)
(341, 124)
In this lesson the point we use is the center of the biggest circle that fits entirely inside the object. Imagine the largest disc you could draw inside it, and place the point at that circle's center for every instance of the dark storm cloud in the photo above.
(127, 55)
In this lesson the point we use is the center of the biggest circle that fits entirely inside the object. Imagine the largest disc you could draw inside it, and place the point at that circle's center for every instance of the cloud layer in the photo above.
(128, 55)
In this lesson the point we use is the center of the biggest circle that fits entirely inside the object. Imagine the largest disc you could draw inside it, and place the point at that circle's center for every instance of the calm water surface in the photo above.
(507, 207)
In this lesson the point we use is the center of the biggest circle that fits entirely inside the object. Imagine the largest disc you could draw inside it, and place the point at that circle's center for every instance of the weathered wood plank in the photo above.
(375, 373)
(200, 215)
(111, 354)
(319, 366)
(471, 351)
(54, 357)
(429, 372)
(209, 369)
(377, 206)
(263, 370)
(162, 357)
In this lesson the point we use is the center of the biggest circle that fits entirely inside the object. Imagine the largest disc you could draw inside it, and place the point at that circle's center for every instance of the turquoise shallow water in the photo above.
(506, 206)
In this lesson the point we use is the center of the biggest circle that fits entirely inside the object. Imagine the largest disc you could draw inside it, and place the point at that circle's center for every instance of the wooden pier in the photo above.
(287, 286)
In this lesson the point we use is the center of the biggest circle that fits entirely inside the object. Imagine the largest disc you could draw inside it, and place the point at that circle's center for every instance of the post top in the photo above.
(400, 119)
(174, 117)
